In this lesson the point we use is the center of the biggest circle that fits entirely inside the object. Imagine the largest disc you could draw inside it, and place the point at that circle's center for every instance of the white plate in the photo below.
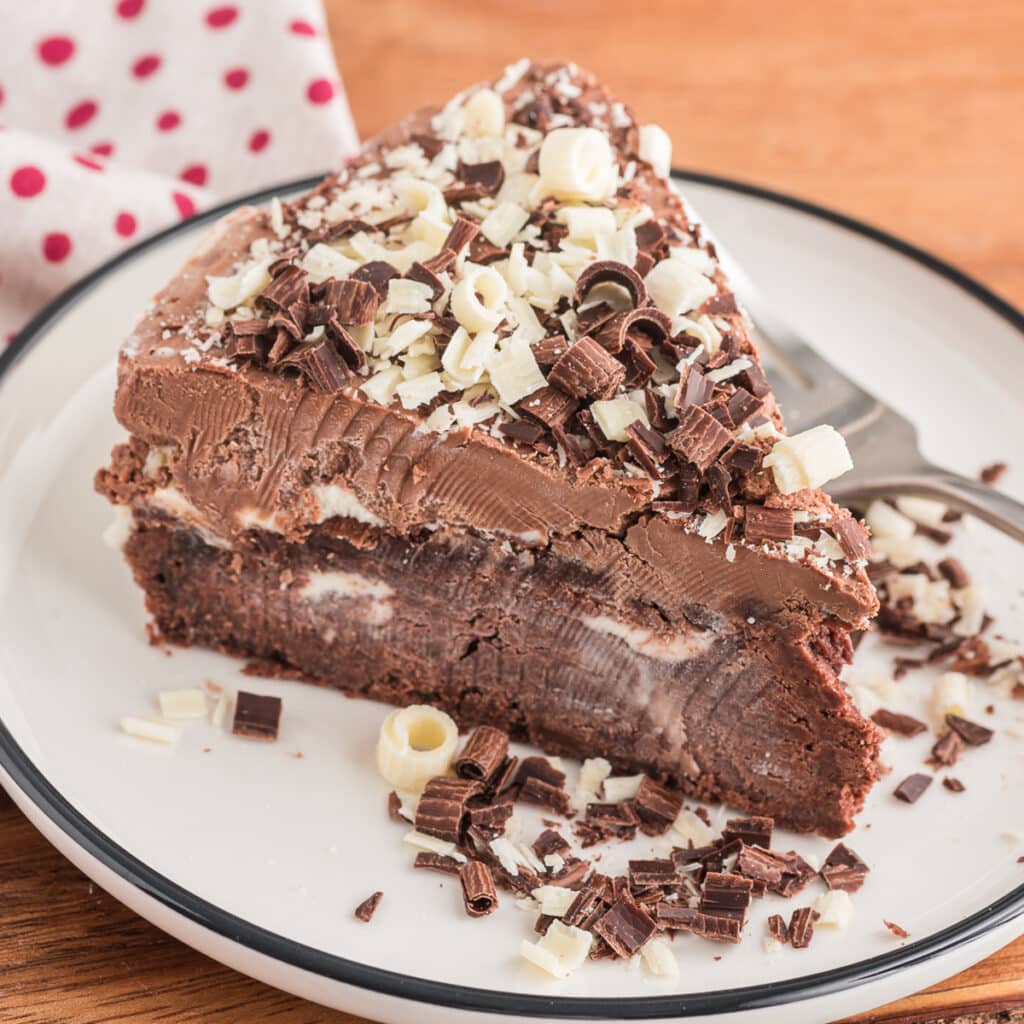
(258, 857)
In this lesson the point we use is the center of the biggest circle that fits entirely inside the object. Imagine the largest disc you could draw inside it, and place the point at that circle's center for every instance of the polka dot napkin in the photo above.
(119, 117)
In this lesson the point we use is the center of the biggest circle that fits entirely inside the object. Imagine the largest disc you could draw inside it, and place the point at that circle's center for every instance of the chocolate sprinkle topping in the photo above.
(904, 725)
(587, 371)
(971, 733)
(437, 862)
(777, 928)
(912, 787)
(844, 870)
(947, 750)
(611, 272)
(801, 927)
(478, 891)
(368, 907)
(767, 524)
(256, 716)
(755, 831)
(484, 753)
(625, 927)
(699, 438)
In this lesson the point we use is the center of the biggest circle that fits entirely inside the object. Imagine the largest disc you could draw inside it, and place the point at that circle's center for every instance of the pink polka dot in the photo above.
(56, 50)
(88, 162)
(145, 66)
(236, 78)
(320, 91)
(259, 140)
(168, 121)
(221, 17)
(125, 224)
(186, 207)
(102, 149)
(81, 113)
(129, 8)
(27, 182)
(56, 246)
(194, 174)
(302, 28)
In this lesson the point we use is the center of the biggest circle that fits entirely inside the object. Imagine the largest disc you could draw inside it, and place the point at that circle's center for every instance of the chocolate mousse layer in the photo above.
(728, 700)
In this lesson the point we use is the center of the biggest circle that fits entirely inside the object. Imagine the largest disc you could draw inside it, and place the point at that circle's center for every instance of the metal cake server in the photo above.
(883, 443)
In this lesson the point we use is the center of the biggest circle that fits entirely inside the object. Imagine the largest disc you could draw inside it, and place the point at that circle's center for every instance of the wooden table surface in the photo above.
(905, 114)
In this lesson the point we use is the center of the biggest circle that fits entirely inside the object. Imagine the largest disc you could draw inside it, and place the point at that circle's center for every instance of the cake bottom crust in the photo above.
(749, 713)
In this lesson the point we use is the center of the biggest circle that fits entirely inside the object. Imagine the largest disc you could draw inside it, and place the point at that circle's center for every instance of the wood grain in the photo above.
(903, 113)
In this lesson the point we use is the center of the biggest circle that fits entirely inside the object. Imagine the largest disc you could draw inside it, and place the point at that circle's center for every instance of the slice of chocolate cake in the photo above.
(479, 423)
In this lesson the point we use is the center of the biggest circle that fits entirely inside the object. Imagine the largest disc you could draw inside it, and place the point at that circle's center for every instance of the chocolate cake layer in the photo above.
(729, 703)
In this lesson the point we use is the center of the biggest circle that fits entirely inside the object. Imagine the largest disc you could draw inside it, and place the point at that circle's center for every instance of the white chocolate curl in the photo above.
(478, 299)
(416, 744)
(484, 113)
(577, 163)
(808, 459)
(656, 148)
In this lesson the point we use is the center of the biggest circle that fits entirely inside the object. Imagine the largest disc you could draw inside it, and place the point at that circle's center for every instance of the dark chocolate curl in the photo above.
(478, 891)
(484, 753)
(613, 272)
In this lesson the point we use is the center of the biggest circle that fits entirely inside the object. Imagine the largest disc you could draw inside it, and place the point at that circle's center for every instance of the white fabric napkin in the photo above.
(120, 117)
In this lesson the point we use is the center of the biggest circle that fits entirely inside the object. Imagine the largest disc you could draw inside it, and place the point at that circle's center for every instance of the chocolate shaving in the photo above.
(767, 524)
(484, 753)
(368, 907)
(801, 927)
(912, 787)
(726, 895)
(549, 350)
(611, 272)
(777, 928)
(971, 733)
(488, 177)
(540, 768)
(462, 232)
(376, 273)
(584, 910)
(904, 725)
(482, 251)
(395, 807)
(507, 776)
(348, 348)
(550, 405)
(754, 831)
(348, 226)
(422, 274)
(992, 474)
(320, 363)
(755, 381)
(656, 806)
(587, 371)
(796, 875)
(254, 348)
(699, 438)
(646, 322)
(625, 927)
(442, 807)
(657, 873)
(723, 304)
(853, 539)
(953, 785)
(522, 430)
(694, 389)
(549, 842)
(760, 865)
(291, 286)
(612, 816)
(844, 870)
(478, 891)
(947, 750)
(256, 716)
(437, 862)
(537, 791)
(900, 933)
